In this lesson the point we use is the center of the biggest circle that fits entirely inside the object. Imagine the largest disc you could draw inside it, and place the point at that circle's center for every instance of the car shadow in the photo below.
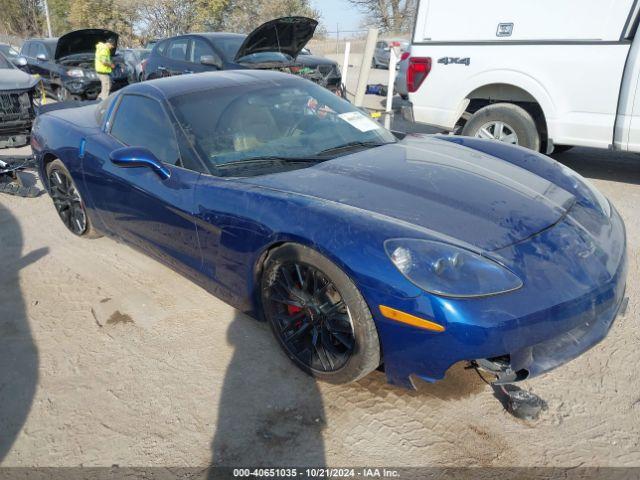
(18, 353)
(270, 413)
(602, 164)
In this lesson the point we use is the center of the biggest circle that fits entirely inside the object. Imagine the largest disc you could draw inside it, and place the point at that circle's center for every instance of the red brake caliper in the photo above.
(293, 310)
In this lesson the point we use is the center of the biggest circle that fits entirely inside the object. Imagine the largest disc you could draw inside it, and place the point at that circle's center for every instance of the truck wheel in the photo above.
(504, 122)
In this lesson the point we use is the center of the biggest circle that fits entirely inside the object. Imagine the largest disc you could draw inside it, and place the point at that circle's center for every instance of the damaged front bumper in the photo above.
(574, 288)
(543, 357)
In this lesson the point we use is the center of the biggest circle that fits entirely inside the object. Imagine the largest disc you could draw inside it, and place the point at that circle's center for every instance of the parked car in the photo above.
(134, 57)
(523, 73)
(382, 52)
(67, 64)
(274, 45)
(359, 248)
(17, 90)
(325, 66)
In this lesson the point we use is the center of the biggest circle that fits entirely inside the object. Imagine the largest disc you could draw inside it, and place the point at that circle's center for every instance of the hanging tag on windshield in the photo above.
(360, 121)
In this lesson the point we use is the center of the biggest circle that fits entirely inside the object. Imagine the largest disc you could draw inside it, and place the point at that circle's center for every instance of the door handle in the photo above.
(188, 71)
(162, 69)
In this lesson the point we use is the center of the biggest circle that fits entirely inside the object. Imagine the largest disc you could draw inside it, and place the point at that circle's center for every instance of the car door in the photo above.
(152, 214)
(41, 60)
(199, 49)
(176, 55)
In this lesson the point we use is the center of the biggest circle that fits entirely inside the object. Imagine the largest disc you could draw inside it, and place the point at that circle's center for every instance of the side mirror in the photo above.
(211, 61)
(134, 157)
(42, 57)
(20, 62)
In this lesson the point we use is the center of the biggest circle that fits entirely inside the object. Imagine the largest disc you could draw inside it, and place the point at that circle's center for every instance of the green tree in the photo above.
(246, 15)
(110, 14)
(59, 13)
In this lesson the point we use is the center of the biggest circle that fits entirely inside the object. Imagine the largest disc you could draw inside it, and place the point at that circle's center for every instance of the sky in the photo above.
(338, 12)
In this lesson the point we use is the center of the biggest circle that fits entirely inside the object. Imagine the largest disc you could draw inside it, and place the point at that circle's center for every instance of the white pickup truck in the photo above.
(544, 74)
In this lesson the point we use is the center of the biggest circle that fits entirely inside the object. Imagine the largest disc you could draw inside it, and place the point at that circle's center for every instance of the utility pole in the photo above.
(46, 13)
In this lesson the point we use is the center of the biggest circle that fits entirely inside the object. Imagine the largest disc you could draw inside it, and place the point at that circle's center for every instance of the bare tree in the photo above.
(165, 18)
(21, 17)
(389, 15)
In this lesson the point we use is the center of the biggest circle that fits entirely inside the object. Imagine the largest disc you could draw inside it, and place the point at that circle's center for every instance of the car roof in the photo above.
(49, 41)
(214, 35)
(176, 86)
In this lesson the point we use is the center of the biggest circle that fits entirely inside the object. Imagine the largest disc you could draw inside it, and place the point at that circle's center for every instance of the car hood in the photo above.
(458, 194)
(83, 41)
(14, 79)
(287, 35)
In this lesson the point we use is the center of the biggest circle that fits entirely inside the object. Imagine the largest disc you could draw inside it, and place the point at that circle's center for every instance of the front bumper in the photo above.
(574, 284)
(16, 118)
(89, 88)
(543, 357)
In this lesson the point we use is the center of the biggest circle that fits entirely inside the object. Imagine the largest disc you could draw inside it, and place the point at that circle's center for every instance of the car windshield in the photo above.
(4, 63)
(8, 51)
(295, 121)
(229, 46)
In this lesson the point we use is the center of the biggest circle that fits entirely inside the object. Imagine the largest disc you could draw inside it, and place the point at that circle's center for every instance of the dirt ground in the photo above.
(107, 357)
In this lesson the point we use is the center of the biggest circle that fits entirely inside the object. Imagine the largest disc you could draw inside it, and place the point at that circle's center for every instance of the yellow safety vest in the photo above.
(103, 58)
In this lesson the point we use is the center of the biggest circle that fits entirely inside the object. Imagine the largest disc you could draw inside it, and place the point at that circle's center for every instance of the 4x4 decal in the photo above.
(455, 60)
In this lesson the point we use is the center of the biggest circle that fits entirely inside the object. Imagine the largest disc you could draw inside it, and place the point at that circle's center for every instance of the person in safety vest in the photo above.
(104, 66)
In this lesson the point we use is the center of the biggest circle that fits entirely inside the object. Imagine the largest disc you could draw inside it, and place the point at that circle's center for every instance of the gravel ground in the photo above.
(107, 357)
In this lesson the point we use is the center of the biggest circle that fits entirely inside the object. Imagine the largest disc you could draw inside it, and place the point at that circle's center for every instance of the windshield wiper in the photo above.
(351, 146)
(267, 159)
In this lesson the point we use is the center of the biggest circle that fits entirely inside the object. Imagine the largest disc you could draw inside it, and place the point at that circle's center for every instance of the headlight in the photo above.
(75, 72)
(449, 271)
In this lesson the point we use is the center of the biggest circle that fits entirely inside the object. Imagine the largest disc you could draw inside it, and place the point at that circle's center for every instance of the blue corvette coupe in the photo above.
(362, 249)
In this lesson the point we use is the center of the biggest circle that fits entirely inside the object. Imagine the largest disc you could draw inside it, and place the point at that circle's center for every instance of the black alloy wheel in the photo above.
(318, 316)
(311, 317)
(67, 201)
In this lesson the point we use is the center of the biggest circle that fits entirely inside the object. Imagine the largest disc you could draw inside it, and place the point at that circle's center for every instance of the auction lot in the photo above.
(109, 358)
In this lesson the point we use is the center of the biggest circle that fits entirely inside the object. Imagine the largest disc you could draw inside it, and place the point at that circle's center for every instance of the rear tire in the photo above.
(516, 123)
(68, 202)
(318, 315)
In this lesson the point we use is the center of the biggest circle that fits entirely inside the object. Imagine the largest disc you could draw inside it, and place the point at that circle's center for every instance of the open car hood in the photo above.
(83, 41)
(286, 35)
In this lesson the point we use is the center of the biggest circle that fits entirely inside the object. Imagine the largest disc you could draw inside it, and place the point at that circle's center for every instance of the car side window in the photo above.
(39, 50)
(142, 122)
(178, 49)
(25, 49)
(199, 48)
(161, 48)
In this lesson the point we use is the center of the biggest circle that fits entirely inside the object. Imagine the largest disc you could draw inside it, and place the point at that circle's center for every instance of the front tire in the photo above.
(504, 122)
(62, 94)
(318, 315)
(68, 202)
